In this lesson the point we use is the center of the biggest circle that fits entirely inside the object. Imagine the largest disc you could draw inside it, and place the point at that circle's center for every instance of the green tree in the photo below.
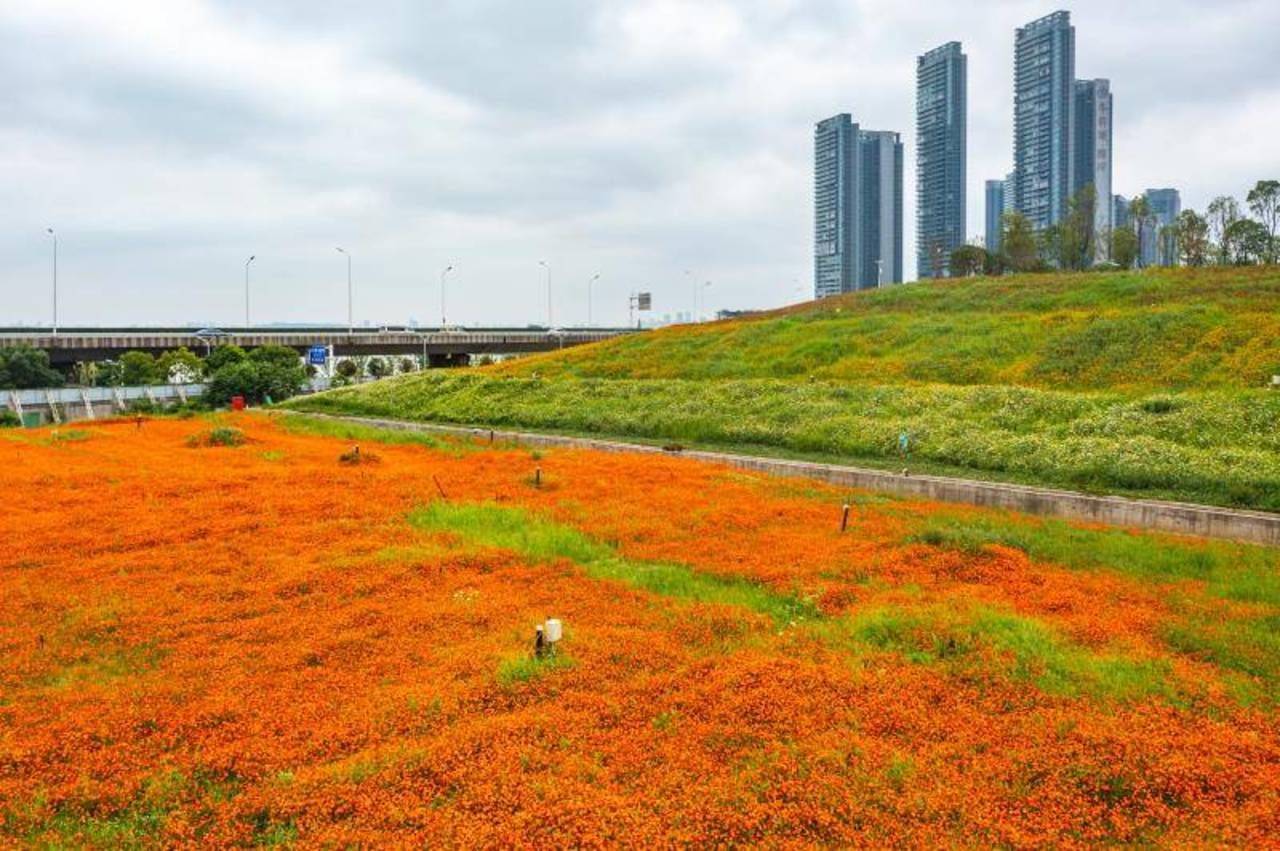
(109, 374)
(1077, 237)
(180, 366)
(281, 356)
(1191, 232)
(240, 378)
(1018, 242)
(23, 368)
(223, 356)
(378, 368)
(138, 368)
(348, 369)
(408, 365)
(263, 375)
(1124, 247)
(1222, 213)
(1247, 242)
(1264, 200)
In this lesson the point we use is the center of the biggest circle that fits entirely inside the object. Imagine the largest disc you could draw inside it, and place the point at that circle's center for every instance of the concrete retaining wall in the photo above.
(1181, 518)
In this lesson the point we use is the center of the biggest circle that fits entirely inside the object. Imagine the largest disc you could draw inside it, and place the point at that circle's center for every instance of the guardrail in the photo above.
(63, 404)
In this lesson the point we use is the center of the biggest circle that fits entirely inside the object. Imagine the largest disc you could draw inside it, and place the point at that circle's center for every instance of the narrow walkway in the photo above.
(1207, 521)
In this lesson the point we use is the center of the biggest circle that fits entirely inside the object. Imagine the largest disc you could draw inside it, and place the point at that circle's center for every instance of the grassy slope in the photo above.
(1135, 383)
(1163, 328)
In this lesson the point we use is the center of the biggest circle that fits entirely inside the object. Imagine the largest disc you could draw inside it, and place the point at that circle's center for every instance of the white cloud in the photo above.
(168, 140)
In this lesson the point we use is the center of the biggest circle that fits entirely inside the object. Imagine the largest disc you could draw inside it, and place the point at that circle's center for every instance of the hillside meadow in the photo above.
(243, 632)
(1149, 384)
(1172, 329)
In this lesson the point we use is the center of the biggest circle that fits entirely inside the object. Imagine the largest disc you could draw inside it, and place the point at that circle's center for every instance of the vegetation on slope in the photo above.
(1160, 328)
(1146, 384)
(1219, 447)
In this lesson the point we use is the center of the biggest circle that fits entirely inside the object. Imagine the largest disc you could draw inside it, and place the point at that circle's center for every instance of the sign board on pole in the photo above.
(318, 355)
(644, 301)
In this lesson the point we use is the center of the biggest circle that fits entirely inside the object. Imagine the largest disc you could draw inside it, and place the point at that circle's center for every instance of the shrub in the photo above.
(217, 436)
(23, 367)
(8, 419)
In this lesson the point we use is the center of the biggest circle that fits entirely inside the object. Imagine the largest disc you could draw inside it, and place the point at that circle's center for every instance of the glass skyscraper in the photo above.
(857, 207)
(1044, 118)
(941, 113)
(1158, 247)
(1093, 152)
(995, 214)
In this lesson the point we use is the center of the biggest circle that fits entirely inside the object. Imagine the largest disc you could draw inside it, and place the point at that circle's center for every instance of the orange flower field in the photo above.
(260, 643)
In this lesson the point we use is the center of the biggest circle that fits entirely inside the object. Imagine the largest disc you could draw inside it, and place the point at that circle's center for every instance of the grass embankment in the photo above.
(1184, 329)
(1143, 384)
(1221, 448)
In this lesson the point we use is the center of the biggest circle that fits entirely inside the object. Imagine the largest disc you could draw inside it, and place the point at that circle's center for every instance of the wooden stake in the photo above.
(439, 489)
(537, 477)
(844, 518)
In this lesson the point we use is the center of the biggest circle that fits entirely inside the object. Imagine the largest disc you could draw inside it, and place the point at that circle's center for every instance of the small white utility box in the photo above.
(552, 631)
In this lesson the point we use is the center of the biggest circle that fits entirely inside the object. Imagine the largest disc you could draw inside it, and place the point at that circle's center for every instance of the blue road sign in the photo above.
(318, 355)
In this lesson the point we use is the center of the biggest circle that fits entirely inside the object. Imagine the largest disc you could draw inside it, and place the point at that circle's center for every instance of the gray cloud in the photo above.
(168, 140)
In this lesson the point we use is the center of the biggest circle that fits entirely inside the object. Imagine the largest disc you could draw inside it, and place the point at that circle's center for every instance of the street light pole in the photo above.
(704, 298)
(55, 279)
(351, 322)
(593, 279)
(550, 322)
(446, 271)
(252, 257)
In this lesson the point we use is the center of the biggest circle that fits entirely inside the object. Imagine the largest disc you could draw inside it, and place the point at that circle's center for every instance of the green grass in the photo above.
(518, 670)
(322, 427)
(1238, 572)
(1220, 448)
(1016, 647)
(1146, 384)
(1155, 329)
(542, 540)
(1247, 642)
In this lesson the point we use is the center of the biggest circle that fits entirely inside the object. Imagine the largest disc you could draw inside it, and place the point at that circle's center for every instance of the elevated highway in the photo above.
(439, 345)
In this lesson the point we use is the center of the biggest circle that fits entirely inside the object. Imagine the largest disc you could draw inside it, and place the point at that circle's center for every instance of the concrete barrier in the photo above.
(1258, 527)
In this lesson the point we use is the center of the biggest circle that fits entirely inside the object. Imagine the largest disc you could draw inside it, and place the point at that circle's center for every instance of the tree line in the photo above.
(1225, 234)
(274, 372)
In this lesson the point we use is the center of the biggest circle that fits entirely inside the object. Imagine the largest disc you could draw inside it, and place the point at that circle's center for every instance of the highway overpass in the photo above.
(438, 345)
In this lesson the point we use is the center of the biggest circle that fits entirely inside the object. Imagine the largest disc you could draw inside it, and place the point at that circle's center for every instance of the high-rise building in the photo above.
(1044, 118)
(1120, 212)
(836, 201)
(995, 214)
(881, 182)
(941, 111)
(857, 207)
(1158, 247)
(1093, 152)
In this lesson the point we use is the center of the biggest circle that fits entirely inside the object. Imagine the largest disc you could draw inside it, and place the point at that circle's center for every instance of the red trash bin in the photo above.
(237, 403)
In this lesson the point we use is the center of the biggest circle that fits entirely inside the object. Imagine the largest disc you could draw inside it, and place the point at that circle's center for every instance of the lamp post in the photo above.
(591, 281)
(550, 323)
(443, 274)
(351, 322)
(704, 297)
(55, 279)
(252, 257)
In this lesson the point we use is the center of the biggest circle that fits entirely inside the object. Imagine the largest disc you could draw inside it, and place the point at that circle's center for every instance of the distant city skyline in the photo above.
(628, 140)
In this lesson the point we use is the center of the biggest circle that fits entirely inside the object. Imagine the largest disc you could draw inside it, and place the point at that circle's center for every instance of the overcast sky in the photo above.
(167, 141)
